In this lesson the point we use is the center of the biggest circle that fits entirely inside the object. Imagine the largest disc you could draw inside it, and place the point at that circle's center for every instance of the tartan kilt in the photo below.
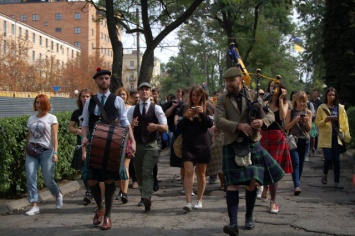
(264, 169)
(275, 142)
(215, 165)
(77, 163)
(96, 174)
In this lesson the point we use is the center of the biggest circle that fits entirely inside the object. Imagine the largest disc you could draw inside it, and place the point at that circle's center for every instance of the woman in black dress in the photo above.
(75, 128)
(196, 145)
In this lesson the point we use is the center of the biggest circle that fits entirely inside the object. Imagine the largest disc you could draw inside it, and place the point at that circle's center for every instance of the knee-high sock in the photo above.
(109, 196)
(96, 193)
(87, 186)
(232, 205)
(250, 198)
(273, 191)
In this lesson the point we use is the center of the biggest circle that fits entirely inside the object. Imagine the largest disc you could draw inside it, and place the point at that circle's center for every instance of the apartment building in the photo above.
(130, 70)
(75, 22)
(42, 45)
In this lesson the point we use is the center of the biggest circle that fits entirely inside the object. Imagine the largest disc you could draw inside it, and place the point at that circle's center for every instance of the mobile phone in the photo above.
(302, 115)
(193, 108)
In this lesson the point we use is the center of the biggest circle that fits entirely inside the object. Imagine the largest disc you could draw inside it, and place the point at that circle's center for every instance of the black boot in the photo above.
(250, 198)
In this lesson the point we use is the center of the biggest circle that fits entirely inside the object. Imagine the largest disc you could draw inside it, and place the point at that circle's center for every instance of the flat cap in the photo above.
(144, 84)
(232, 72)
(101, 72)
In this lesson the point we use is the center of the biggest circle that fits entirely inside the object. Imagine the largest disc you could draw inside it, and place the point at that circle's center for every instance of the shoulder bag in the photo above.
(342, 147)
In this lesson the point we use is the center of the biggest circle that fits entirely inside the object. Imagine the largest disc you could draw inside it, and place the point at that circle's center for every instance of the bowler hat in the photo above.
(232, 72)
(144, 84)
(101, 72)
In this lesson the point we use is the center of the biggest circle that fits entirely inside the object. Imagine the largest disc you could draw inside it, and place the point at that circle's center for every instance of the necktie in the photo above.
(143, 110)
(102, 103)
(239, 101)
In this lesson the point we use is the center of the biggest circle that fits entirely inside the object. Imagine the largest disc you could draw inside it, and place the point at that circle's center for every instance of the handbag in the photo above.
(242, 153)
(34, 149)
(292, 143)
(177, 145)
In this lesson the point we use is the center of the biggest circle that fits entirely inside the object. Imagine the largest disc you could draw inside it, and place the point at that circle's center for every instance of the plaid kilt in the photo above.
(215, 165)
(96, 174)
(275, 142)
(77, 163)
(264, 169)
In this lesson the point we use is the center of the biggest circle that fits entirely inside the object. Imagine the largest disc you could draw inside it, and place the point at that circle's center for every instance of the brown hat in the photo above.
(101, 72)
(232, 72)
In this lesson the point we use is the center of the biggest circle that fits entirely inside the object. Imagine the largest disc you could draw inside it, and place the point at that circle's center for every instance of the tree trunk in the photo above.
(146, 70)
(117, 48)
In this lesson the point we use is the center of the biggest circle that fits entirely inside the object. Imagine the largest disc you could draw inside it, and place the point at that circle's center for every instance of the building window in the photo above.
(35, 17)
(131, 64)
(45, 23)
(46, 43)
(77, 16)
(33, 38)
(77, 30)
(40, 56)
(5, 26)
(58, 16)
(101, 35)
(23, 18)
(92, 46)
(57, 47)
(58, 29)
(12, 29)
(52, 45)
(33, 55)
(40, 40)
(77, 44)
(26, 36)
(19, 31)
(4, 46)
(92, 32)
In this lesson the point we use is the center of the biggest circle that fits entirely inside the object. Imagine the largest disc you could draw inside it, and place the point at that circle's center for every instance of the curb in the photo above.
(11, 205)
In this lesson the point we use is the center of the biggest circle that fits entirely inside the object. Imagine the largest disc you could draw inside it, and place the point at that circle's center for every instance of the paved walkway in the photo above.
(319, 210)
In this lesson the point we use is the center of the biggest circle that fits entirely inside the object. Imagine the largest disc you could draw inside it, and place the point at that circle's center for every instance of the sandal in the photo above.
(297, 191)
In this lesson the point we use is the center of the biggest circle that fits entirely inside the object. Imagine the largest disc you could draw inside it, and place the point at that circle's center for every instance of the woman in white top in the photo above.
(43, 135)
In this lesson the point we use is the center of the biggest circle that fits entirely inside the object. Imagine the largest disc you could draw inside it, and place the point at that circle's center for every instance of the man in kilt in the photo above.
(233, 117)
(115, 109)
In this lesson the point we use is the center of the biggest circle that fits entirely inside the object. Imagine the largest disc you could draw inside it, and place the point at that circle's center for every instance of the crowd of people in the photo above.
(244, 143)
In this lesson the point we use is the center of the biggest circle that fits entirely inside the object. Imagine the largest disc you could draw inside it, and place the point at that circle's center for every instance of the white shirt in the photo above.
(40, 129)
(119, 104)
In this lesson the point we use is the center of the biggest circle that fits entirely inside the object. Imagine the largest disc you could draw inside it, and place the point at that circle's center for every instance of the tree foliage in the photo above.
(339, 48)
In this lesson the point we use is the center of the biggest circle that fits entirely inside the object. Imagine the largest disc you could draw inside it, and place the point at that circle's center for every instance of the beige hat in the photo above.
(232, 72)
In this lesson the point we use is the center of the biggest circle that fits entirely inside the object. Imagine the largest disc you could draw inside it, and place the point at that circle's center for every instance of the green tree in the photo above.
(339, 48)
(155, 21)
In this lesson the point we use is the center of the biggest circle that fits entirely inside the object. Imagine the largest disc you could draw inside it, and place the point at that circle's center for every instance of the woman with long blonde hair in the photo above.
(299, 123)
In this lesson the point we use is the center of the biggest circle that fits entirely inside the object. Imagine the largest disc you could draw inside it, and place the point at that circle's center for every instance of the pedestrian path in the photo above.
(319, 210)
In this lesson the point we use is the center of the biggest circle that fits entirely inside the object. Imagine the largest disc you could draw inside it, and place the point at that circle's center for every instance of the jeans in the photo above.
(297, 156)
(331, 155)
(47, 167)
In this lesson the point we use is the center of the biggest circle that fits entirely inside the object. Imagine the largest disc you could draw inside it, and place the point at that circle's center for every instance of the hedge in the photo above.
(13, 133)
(351, 118)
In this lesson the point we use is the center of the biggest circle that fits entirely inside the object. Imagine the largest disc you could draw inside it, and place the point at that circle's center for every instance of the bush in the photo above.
(12, 154)
(351, 119)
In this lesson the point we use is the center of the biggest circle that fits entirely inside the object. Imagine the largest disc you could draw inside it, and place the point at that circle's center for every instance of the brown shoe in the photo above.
(107, 224)
(98, 216)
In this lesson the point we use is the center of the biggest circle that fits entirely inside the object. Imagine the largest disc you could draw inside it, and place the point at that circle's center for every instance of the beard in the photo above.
(104, 86)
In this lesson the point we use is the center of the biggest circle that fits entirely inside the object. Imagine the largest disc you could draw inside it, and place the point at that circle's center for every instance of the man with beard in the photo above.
(245, 162)
(116, 111)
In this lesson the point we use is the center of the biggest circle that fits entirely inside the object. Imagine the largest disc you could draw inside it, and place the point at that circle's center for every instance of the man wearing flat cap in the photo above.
(115, 109)
(146, 119)
(245, 162)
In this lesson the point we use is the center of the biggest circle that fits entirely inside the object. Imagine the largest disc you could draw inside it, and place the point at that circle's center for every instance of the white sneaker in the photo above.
(34, 210)
(193, 194)
(198, 205)
(59, 201)
(259, 192)
(187, 207)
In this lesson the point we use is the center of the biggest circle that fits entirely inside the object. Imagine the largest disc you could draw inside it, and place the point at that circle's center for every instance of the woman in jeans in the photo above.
(331, 116)
(43, 133)
(299, 123)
